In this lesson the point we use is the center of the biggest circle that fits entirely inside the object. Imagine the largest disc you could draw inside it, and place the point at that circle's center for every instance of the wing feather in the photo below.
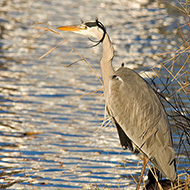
(139, 112)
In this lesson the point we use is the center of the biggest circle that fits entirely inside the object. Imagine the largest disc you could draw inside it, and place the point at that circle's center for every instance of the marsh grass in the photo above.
(177, 67)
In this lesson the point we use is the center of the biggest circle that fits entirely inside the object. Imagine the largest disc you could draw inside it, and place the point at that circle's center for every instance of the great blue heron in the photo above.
(133, 105)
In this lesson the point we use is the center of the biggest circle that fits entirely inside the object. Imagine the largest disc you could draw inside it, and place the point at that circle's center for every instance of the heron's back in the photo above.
(139, 112)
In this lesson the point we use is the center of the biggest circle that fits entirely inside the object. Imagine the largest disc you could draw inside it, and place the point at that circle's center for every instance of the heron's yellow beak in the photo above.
(73, 28)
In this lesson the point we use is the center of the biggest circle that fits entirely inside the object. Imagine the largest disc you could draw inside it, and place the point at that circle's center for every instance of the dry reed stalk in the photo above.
(48, 29)
(64, 40)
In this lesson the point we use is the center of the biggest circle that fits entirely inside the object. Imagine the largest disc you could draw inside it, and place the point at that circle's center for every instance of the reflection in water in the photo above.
(49, 138)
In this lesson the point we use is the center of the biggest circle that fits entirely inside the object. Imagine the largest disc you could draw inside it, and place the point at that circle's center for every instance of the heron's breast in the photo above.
(117, 99)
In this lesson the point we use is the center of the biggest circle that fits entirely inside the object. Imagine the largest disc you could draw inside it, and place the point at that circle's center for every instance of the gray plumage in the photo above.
(135, 108)
(138, 111)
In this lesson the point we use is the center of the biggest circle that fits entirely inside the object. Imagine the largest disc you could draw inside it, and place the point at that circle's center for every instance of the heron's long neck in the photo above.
(106, 63)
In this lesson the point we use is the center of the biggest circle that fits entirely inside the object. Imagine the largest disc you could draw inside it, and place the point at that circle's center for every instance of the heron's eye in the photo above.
(83, 26)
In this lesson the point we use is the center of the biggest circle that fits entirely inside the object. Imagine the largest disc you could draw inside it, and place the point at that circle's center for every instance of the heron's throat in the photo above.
(106, 60)
(106, 63)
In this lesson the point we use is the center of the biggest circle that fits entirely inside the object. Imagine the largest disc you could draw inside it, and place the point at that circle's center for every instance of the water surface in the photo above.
(50, 139)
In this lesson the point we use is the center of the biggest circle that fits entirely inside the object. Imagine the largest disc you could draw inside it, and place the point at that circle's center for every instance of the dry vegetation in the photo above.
(175, 91)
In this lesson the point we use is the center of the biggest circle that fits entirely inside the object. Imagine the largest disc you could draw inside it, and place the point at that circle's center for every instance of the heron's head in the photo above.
(93, 29)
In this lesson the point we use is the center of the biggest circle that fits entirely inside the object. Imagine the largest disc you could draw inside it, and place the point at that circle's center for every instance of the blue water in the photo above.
(51, 138)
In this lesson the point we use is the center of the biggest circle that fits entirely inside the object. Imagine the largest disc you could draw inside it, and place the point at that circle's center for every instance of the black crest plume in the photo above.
(100, 25)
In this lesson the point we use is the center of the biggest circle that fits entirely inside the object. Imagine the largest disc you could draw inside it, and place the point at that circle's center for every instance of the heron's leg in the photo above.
(145, 161)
